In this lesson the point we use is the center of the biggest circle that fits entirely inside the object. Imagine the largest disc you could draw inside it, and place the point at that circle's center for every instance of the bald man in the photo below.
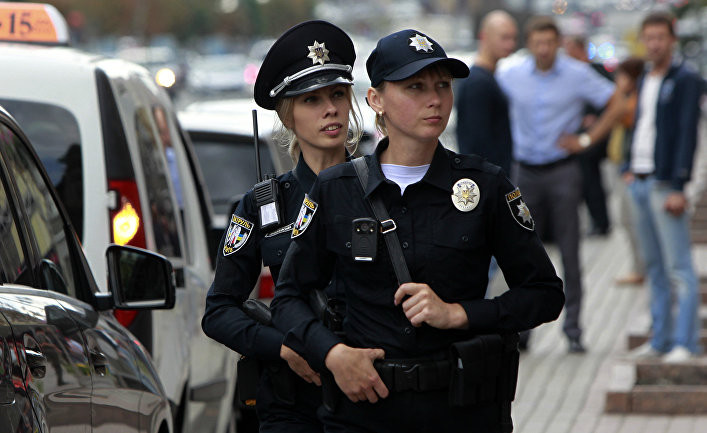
(483, 126)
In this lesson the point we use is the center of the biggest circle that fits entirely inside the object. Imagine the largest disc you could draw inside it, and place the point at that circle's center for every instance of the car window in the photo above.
(12, 257)
(43, 217)
(54, 133)
(228, 164)
(162, 209)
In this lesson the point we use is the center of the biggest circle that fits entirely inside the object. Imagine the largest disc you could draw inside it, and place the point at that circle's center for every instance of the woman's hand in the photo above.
(299, 365)
(354, 373)
(424, 306)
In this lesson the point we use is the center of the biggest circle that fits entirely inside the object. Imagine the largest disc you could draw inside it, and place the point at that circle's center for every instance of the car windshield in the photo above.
(54, 133)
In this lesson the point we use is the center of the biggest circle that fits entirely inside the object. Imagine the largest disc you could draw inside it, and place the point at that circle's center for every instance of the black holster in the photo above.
(247, 380)
(484, 370)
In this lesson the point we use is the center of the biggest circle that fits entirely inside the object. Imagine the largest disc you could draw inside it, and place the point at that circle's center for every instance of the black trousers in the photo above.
(593, 191)
(410, 411)
(276, 416)
(553, 194)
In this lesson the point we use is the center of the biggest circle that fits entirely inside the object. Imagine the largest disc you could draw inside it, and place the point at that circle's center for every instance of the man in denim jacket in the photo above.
(660, 163)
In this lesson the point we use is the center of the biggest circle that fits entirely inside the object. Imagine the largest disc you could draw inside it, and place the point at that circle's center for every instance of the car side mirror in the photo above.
(140, 279)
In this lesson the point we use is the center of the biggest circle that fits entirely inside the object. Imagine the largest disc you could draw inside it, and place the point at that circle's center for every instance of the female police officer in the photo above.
(451, 213)
(306, 77)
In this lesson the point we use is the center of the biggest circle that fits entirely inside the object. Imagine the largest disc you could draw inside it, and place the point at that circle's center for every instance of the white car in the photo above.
(109, 139)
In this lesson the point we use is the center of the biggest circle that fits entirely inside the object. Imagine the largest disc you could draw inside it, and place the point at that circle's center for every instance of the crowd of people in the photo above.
(380, 321)
(563, 112)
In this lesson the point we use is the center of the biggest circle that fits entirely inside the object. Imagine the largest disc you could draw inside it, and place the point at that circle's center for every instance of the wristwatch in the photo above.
(584, 140)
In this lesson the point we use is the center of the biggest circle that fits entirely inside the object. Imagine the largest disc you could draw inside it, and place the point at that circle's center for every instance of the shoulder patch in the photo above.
(237, 234)
(519, 210)
(304, 218)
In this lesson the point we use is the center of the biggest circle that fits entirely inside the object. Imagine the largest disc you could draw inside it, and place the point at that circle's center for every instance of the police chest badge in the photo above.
(466, 195)
(306, 213)
(520, 210)
(237, 234)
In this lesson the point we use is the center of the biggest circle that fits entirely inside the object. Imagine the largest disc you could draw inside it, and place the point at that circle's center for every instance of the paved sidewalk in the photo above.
(562, 393)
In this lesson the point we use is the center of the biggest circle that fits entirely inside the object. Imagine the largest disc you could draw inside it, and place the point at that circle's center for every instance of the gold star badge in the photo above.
(421, 43)
(318, 53)
(466, 195)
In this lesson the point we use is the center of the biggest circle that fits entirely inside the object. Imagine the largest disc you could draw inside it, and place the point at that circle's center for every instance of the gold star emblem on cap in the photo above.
(318, 53)
(421, 43)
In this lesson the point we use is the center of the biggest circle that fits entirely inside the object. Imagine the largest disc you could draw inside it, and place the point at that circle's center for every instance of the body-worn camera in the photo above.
(364, 239)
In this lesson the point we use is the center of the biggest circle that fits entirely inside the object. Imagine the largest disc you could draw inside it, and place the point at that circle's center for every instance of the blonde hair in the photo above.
(287, 138)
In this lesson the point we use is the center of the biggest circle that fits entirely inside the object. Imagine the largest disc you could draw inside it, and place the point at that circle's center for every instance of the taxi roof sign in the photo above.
(32, 22)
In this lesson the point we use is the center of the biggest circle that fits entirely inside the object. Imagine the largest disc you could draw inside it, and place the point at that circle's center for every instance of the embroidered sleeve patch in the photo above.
(519, 210)
(237, 234)
(306, 213)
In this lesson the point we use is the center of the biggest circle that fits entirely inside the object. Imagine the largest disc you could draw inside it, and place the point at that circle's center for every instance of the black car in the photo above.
(66, 364)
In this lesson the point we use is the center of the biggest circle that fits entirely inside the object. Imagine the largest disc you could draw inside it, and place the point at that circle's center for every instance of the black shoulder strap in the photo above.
(387, 225)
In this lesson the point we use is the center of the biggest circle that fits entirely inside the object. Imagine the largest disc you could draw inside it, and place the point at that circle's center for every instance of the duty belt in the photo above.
(412, 375)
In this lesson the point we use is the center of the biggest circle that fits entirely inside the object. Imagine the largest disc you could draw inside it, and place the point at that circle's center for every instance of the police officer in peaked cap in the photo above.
(422, 350)
(306, 78)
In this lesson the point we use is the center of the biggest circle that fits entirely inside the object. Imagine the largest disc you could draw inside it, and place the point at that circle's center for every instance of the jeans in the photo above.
(664, 241)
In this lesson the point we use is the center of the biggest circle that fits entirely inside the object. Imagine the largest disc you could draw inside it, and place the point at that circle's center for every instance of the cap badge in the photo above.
(466, 195)
(421, 43)
(318, 53)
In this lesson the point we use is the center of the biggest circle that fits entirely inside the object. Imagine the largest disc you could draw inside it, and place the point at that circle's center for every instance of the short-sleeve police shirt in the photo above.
(446, 246)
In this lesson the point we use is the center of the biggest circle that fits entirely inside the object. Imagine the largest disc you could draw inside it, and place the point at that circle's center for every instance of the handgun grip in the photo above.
(257, 311)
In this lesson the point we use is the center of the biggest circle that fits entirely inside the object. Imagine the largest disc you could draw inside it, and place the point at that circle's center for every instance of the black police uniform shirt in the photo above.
(447, 248)
(238, 267)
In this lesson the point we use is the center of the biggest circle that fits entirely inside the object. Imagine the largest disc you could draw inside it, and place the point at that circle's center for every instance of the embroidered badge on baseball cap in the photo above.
(403, 54)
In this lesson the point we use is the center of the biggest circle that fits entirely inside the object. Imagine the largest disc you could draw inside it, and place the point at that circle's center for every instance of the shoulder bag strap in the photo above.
(388, 226)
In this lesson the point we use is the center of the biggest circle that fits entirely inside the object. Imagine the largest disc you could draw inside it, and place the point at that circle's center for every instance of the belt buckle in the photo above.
(388, 226)
(407, 377)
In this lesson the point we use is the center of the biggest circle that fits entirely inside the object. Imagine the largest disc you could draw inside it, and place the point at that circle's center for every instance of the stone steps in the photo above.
(654, 387)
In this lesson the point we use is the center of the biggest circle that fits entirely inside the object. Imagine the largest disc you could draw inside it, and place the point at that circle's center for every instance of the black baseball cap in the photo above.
(310, 55)
(403, 54)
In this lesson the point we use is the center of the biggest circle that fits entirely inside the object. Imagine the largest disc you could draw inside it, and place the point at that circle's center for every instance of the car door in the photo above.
(57, 368)
(183, 354)
(63, 329)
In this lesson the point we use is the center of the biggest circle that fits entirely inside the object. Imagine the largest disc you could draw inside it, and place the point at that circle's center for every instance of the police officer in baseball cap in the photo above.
(306, 78)
(424, 350)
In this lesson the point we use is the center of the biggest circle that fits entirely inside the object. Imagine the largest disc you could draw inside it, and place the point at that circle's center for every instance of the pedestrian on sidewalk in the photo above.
(547, 95)
(660, 163)
(627, 74)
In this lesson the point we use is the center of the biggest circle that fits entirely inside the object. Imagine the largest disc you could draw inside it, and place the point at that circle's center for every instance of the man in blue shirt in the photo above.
(547, 95)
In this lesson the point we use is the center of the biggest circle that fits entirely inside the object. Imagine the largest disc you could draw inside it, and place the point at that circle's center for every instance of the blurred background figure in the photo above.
(547, 94)
(590, 160)
(483, 126)
(660, 164)
(627, 74)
